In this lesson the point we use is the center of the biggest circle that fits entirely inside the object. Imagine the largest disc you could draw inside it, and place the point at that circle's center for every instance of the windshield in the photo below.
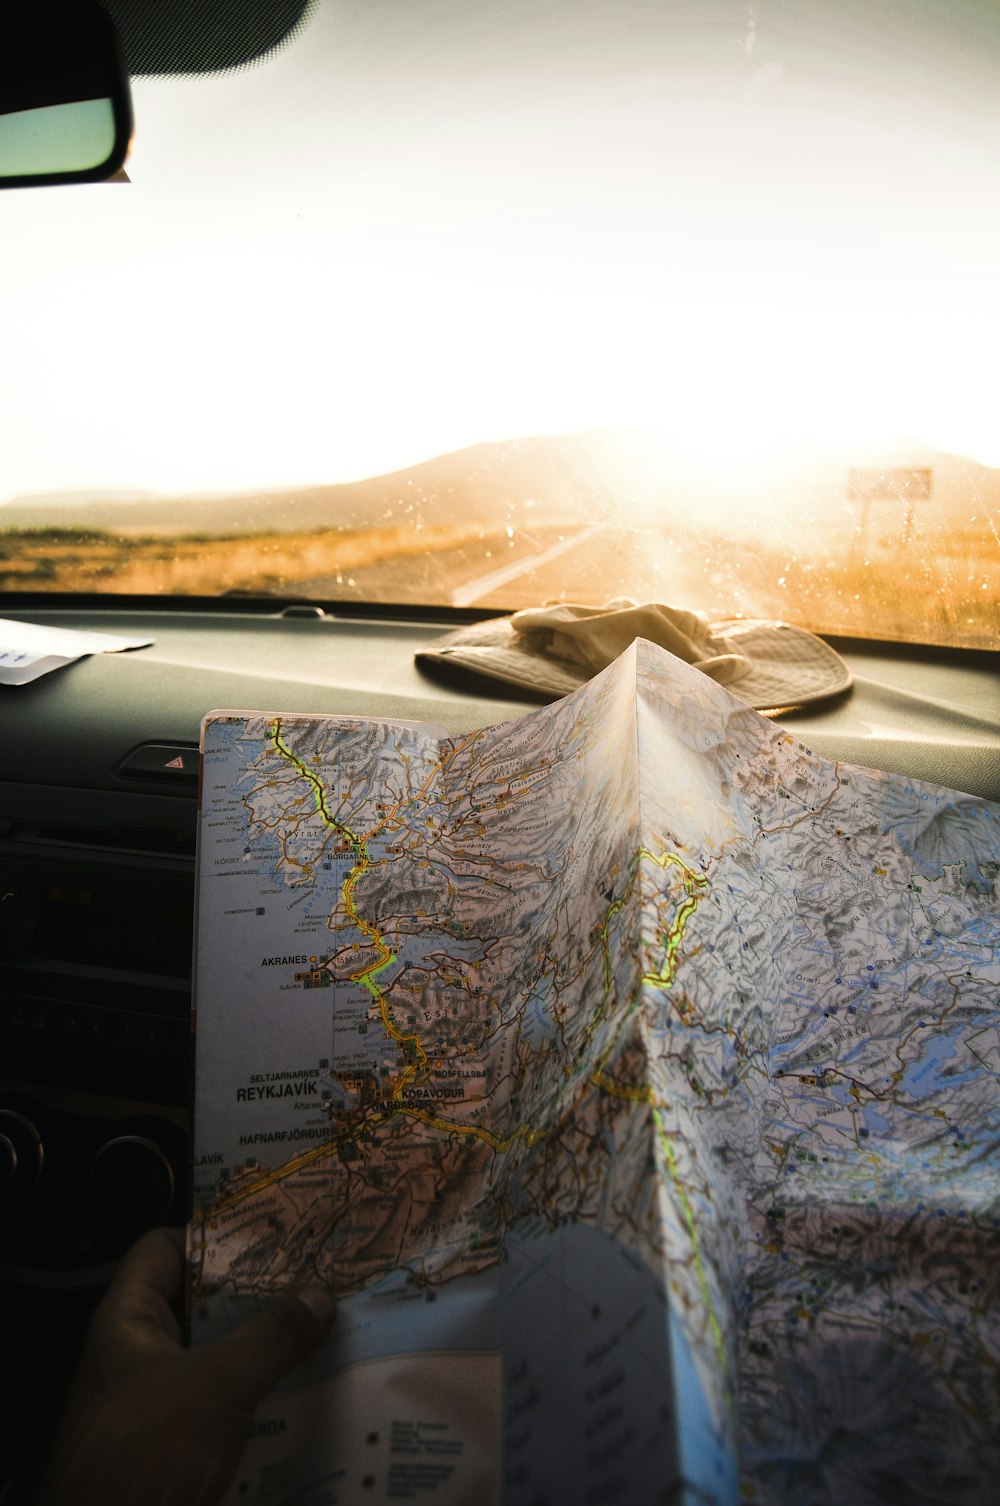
(483, 306)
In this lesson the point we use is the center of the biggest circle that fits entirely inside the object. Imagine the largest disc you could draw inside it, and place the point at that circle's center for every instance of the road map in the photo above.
(632, 1075)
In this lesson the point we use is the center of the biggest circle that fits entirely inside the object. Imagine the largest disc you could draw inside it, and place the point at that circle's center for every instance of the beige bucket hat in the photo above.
(555, 649)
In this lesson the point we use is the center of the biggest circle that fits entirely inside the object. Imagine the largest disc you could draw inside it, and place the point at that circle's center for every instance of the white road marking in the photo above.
(475, 590)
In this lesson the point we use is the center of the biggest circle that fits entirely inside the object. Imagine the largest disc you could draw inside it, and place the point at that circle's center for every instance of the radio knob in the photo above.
(132, 1183)
(22, 1155)
(13, 903)
(8, 1161)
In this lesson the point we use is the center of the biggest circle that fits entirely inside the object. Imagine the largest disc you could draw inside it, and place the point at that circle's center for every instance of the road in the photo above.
(482, 585)
(590, 562)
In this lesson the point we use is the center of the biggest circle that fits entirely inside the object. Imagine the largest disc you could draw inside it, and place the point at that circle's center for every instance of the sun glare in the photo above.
(743, 262)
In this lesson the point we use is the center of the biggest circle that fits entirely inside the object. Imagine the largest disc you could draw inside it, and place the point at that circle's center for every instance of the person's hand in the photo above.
(149, 1423)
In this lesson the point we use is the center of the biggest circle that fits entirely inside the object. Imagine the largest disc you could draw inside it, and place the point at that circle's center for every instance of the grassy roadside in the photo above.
(76, 560)
(943, 589)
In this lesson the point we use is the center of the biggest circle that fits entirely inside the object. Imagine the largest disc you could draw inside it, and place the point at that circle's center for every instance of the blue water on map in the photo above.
(874, 1122)
(923, 1076)
(431, 942)
(539, 1023)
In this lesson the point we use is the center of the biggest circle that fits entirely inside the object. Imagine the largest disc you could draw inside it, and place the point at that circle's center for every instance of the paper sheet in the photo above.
(30, 649)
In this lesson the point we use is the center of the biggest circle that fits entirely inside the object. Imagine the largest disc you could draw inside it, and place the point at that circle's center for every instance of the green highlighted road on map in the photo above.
(718, 1343)
(672, 938)
(359, 846)
(694, 885)
(675, 934)
(366, 977)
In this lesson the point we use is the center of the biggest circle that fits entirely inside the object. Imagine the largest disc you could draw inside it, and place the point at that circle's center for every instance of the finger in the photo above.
(147, 1280)
(274, 1341)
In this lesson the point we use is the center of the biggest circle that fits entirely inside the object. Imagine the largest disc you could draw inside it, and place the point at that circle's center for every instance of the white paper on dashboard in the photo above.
(31, 649)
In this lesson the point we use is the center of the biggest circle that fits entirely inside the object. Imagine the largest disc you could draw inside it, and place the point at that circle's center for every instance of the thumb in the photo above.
(271, 1343)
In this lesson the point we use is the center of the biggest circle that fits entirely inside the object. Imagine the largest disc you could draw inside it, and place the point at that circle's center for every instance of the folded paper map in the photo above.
(632, 1075)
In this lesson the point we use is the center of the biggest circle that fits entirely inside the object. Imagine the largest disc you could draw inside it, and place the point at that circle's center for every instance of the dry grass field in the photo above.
(943, 588)
(940, 589)
(76, 560)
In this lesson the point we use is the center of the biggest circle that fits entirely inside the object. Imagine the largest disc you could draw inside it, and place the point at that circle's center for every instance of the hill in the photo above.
(617, 476)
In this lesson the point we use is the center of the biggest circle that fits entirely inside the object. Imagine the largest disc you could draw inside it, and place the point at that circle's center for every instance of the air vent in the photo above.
(92, 822)
(121, 837)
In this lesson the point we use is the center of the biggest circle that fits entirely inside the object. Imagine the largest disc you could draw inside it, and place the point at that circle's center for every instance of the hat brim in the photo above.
(788, 665)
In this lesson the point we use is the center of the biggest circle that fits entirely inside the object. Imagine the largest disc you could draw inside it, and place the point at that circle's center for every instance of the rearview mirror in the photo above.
(65, 104)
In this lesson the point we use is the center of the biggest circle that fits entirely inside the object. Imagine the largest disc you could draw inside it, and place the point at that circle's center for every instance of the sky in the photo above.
(737, 223)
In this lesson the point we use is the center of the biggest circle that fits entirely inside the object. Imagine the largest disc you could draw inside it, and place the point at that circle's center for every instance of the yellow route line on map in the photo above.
(607, 1084)
(496, 1142)
(370, 932)
(665, 977)
(674, 936)
(685, 1202)
(287, 1169)
(387, 957)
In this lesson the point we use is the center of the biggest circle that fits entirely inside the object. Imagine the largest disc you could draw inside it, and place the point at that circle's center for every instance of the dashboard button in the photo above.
(173, 763)
(147, 1031)
(132, 1183)
(87, 1022)
(14, 892)
(14, 1013)
(8, 1161)
(31, 1015)
(22, 1155)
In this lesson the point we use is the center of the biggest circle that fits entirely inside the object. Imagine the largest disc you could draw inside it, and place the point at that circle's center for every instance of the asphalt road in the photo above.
(590, 564)
(479, 589)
